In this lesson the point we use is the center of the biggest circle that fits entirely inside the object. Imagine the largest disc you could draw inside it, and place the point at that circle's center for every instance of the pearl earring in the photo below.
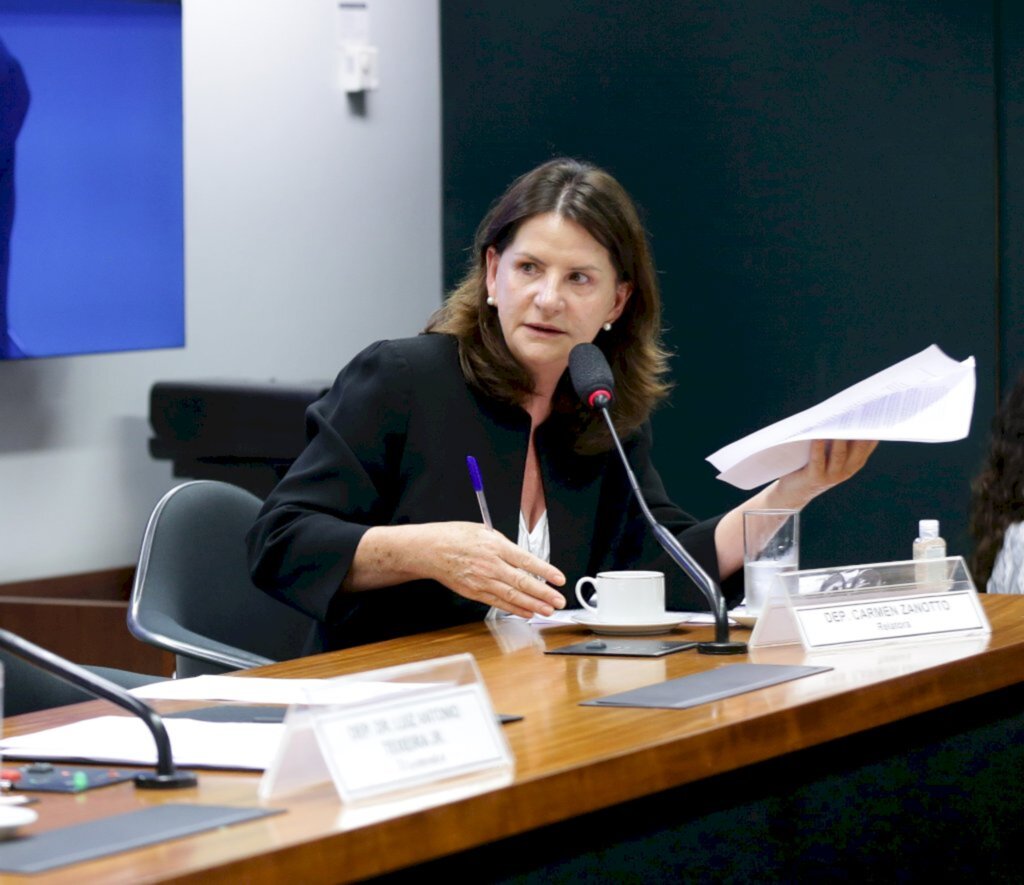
(607, 327)
(490, 301)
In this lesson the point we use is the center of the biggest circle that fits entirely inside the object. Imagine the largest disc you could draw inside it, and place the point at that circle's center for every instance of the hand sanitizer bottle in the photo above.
(929, 545)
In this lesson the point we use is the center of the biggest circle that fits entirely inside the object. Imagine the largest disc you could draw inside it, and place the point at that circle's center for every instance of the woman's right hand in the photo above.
(470, 559)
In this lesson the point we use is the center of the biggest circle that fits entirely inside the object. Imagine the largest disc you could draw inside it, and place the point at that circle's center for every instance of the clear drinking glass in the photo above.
(771, 544)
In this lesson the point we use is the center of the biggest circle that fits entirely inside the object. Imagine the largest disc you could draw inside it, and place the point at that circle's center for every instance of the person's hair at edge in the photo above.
(998, 491)
(594, 200)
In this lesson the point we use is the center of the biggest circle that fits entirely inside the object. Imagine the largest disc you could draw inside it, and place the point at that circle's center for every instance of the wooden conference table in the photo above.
(571, 761)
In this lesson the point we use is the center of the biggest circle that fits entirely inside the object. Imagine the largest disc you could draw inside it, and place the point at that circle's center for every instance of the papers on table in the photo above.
(196, 743)
(126, 740)
(256, 690)
(567, 616)
(557, 617)
(925, 398)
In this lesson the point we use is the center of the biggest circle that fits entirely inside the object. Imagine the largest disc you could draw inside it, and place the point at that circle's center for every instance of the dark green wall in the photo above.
(1010, 108)
(819, 183)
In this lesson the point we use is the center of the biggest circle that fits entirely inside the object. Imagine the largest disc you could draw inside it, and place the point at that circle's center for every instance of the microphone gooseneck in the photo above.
(594, 383)
(166, 775)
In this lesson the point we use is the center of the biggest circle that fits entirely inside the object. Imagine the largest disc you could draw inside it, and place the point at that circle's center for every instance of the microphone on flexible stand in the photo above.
(594, 383)
(166, 776)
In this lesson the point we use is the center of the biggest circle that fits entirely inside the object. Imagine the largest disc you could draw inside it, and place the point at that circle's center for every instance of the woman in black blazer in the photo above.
(375, 530)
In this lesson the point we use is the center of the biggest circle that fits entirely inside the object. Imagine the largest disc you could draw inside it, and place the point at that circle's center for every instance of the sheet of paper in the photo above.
(566, 616)
(925, 398)
(259, 690)
(123, 740)
(556, 618)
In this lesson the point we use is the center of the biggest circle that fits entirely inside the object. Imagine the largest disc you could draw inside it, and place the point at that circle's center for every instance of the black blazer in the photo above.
(388, 446)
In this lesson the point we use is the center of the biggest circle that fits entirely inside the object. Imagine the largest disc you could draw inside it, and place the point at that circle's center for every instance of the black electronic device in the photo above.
(44, 777)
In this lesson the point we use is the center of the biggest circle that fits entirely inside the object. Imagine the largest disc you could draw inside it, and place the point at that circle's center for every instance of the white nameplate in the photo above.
(903, 616)
(901, 601)
(399, 744)
(420, 730)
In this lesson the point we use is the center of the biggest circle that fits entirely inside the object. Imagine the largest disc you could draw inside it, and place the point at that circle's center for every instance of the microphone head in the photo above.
(591, 375)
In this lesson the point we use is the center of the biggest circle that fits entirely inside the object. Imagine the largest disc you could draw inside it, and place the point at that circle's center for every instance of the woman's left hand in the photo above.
(830, 463)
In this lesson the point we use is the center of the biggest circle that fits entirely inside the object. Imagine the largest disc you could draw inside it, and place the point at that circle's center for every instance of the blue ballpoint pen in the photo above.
(478, 487)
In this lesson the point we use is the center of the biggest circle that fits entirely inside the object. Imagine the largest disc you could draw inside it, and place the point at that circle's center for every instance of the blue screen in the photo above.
(96, 251)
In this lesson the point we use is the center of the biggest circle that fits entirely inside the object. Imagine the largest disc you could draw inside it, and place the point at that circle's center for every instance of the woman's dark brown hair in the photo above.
(998, 491)
(597, 202)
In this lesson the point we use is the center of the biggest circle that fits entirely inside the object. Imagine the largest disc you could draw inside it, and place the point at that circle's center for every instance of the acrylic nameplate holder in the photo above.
(883, 602)
(432, 729)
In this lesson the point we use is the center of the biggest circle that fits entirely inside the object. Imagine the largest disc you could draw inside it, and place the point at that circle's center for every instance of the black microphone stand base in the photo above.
(730, 647)
(177, 780)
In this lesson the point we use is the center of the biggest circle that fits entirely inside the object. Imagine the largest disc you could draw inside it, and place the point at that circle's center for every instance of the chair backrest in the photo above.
(27, 688)
(192, 593)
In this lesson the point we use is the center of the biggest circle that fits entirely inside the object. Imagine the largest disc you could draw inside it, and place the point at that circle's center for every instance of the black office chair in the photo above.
(192, 593)
(27, 688)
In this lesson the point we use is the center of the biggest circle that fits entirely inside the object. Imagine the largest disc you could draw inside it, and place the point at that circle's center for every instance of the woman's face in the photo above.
(554, 287)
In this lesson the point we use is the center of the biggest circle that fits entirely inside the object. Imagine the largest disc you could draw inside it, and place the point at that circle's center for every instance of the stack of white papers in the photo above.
(926, 398)
(259, 690)
(195, 743)
(125, 740)
(567, 616)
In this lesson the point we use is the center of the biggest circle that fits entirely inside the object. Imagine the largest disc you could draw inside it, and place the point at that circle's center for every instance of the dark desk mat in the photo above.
(630, 648)
(122, 832)
(233, 713)
(711, 685)
(228, 713)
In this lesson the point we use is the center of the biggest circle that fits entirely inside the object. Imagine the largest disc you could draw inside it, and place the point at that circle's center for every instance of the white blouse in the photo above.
(537, 542)
(1008, 571)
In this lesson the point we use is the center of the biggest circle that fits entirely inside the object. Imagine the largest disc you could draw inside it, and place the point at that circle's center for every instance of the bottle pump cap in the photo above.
(928, 528)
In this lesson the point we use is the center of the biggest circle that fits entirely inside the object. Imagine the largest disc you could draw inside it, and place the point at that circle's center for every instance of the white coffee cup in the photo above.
(626, 597)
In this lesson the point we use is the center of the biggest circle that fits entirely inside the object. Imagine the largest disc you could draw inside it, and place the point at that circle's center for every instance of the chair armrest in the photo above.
(182, 641)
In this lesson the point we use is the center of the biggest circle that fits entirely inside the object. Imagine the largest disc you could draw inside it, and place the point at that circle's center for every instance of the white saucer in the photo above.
(660, 625)
(13, 817)
(740, 616)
